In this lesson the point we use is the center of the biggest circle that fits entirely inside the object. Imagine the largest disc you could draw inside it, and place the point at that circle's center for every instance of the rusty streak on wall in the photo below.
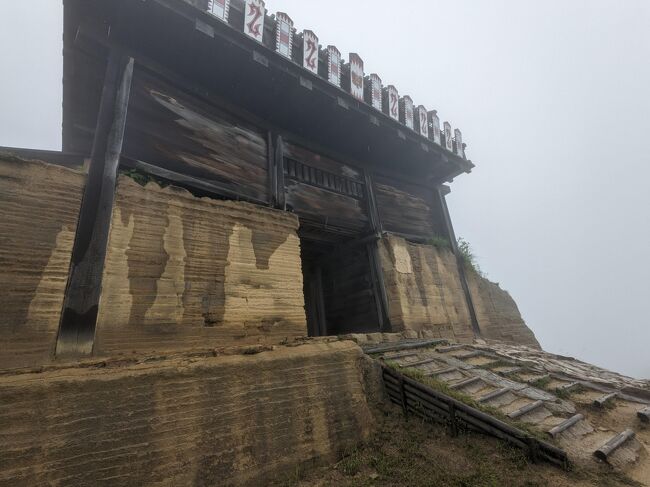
(39, 207)
(425, 294)
(184, 272)
(232, 420)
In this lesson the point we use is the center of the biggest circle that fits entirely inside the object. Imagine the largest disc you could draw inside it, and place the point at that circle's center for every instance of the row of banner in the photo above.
(328, 63)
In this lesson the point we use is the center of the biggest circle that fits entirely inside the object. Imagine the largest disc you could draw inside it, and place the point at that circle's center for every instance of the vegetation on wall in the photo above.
(467, 254)
(439, 242)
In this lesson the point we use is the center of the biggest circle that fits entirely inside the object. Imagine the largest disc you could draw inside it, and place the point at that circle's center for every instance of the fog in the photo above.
(553, 101)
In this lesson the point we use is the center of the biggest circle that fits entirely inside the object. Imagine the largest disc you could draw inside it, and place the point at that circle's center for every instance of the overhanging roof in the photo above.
(208, 55)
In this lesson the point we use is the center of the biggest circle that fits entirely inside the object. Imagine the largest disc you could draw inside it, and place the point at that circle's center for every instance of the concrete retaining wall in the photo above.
(425, 294)
(184, 272)
(39, 207)
(233, 420)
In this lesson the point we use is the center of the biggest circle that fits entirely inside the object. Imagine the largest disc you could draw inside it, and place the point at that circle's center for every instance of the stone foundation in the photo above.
(232, 420)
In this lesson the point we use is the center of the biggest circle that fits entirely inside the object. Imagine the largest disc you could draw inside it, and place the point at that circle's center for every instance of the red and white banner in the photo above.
(460, 150)
(254, 19)
(284, 36)
(391, 102)
(423, 121)
(334, 65)
(406, 111)
(434, 122)
(310, 51)
(449, 145)
(356, 76)
(375, 91)
(219, 8)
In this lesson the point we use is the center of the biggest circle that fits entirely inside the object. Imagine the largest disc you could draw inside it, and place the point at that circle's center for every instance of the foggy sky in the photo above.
(553, 99)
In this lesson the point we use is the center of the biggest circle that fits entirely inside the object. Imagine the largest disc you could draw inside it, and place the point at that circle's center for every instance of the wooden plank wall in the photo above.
(348, 293)
(405, 208)
(324, 191)
(175, 130)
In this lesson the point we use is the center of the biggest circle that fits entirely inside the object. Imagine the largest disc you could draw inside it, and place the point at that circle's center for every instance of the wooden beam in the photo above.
(459, 261)
(280, 191)
(78, 319)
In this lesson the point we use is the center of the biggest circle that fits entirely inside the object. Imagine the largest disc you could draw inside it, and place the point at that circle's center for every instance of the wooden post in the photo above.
(80, 307)
(459, 262)
(279, 173)
(377, 274)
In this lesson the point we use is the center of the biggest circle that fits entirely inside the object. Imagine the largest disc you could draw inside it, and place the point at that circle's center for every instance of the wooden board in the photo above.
(321, 190)
(405, 208)
(177, 131)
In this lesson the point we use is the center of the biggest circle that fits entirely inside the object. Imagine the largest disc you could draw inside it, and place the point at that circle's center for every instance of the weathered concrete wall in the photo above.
(425, 293)
(498, 315)
(39, 207)
(232, 420)
(185, 272)
(424, 290)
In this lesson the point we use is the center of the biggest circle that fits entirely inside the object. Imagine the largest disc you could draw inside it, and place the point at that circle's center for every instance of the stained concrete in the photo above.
(425, 294)
(202, 421)
(184, 272)
(39, 207)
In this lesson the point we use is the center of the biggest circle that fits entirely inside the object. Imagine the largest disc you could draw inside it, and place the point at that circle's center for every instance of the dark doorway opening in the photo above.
(340, 287)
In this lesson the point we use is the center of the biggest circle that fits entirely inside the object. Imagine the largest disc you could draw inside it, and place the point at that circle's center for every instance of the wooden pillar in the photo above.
(459, 260)
(279, 174)
(80, 307)
(377, 274)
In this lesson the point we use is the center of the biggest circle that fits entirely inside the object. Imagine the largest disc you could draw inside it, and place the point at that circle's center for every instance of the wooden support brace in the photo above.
(448, 370)
(80, 307)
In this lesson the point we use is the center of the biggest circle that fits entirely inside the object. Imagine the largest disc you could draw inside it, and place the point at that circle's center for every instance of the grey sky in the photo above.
(553, 100)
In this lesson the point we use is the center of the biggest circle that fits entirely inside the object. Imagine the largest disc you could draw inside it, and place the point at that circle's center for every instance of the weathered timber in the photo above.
(614, 444)
(173, 129)
(525, 409)
(431, 405)
(279, 189)
(72, 160)
(444, 371)
(565, 425)
(194, 185)
(465, 383)
(80, 307)
(419, 362)
(644, 415)
(393, 347)
(459, 260)
(494, 394)
(396, 199)
(602, 401)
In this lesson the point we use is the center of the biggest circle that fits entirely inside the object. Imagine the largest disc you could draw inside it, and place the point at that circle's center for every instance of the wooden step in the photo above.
(419, 362)
(494, 394)
(526, 409)
(614, 444)
(601, 402)
(465, 383)
(565, 425)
